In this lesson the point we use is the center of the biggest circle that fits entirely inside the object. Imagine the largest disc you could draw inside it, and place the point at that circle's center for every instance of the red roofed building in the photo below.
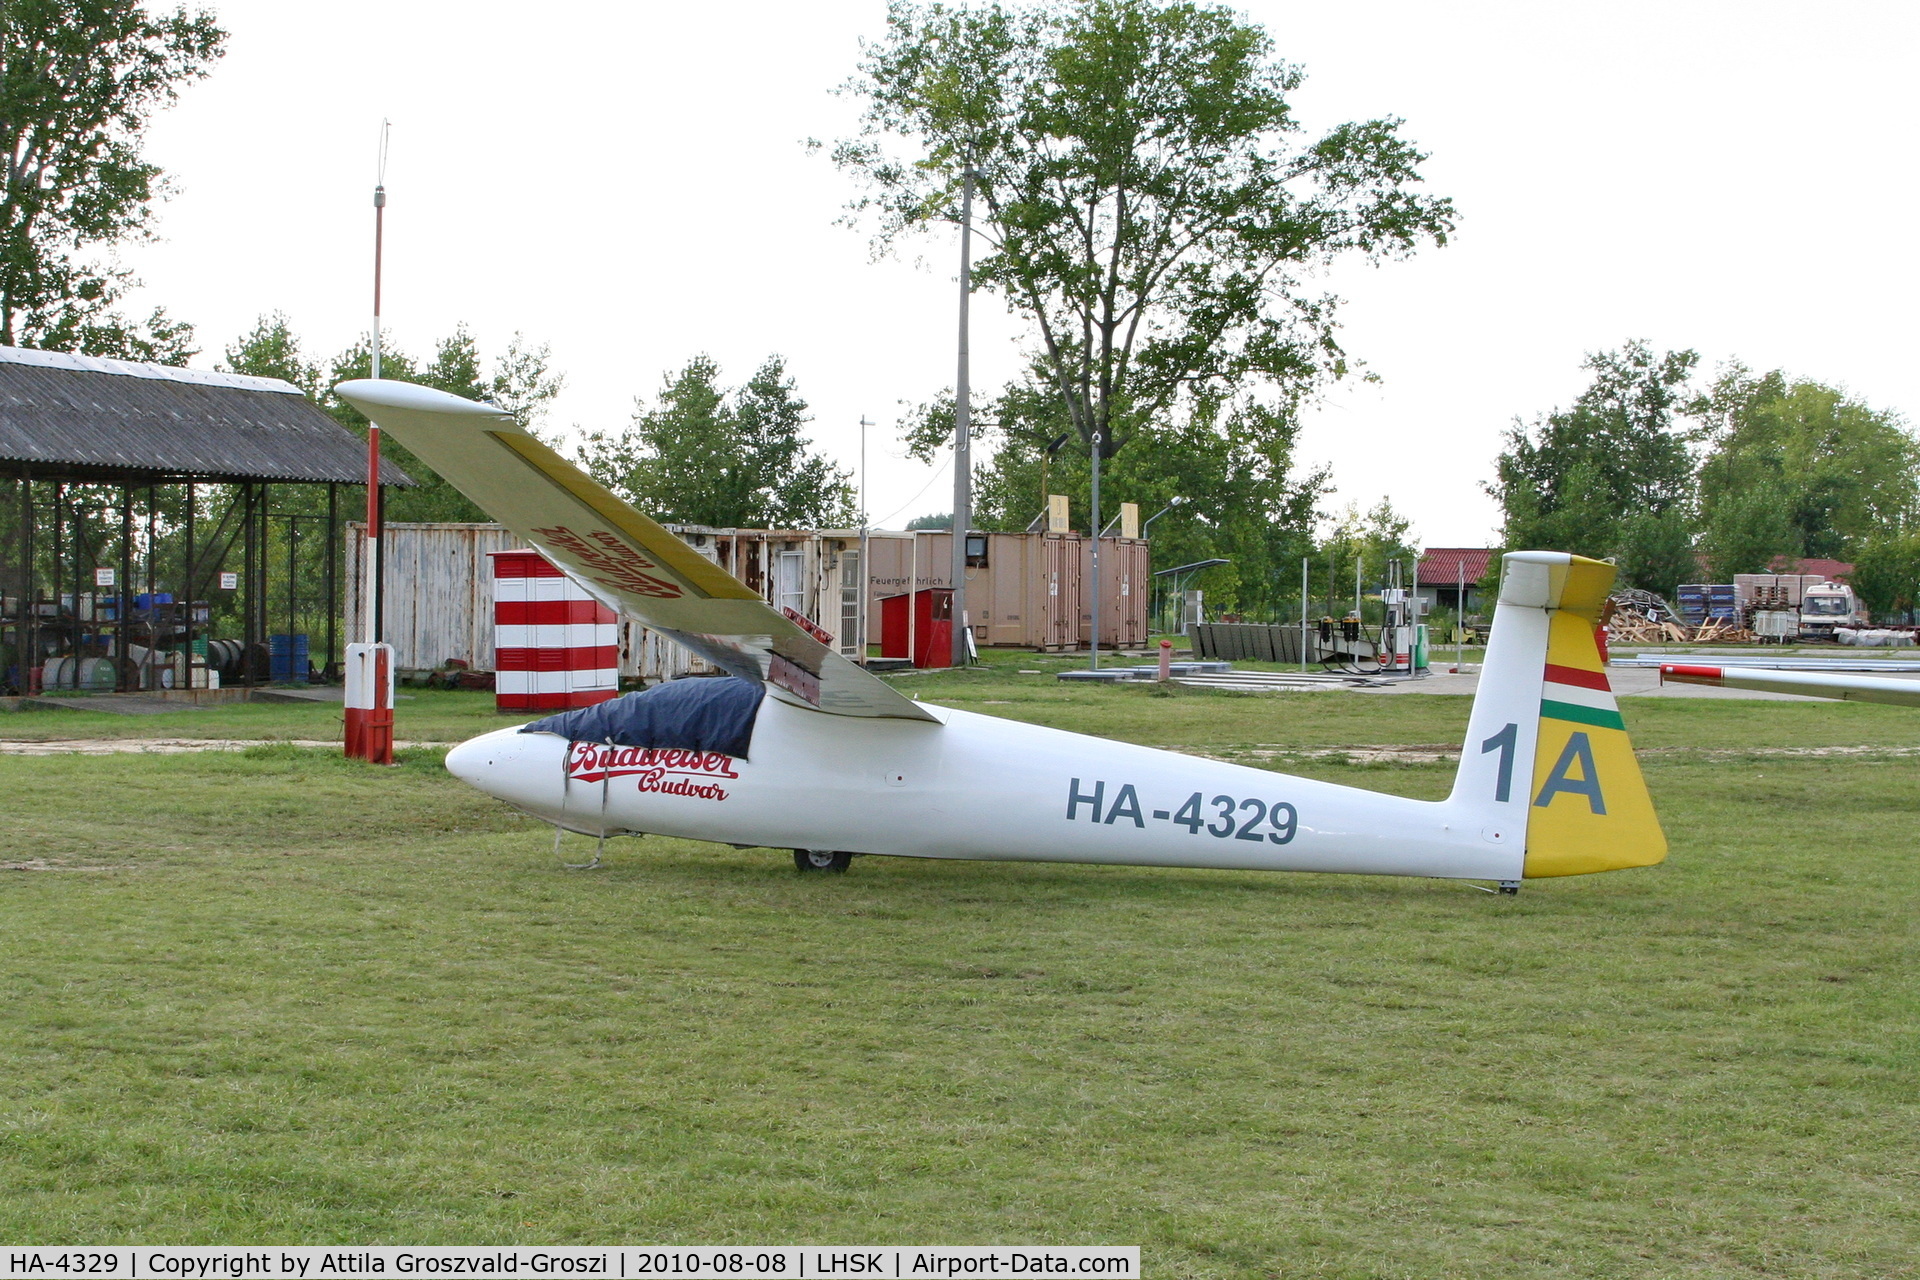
(1442, 569)
(1831, 570)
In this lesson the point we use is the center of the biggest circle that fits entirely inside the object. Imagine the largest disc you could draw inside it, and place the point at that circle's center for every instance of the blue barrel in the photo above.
(287, 659)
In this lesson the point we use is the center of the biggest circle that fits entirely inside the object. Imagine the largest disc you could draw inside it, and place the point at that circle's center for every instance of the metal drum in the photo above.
(93, 674)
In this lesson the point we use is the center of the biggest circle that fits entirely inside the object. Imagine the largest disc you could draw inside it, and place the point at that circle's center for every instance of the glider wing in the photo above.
(1812, 684)
(631, 562)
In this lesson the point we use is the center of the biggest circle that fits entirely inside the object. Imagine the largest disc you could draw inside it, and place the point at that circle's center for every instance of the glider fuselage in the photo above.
(978, 786)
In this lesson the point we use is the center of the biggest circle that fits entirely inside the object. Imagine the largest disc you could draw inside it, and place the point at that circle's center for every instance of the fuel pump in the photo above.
(1403, 637)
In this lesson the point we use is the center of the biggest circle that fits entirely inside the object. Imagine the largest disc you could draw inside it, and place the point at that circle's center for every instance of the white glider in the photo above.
(810, 752)
(1812, 684)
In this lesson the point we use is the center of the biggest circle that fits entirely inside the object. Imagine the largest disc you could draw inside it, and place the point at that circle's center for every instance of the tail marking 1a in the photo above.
(1579, 750)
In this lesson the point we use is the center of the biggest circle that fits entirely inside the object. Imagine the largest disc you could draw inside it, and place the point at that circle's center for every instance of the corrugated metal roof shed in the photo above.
(84, 418)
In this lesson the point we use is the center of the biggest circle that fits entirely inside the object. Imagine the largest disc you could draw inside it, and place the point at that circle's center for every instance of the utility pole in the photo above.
(962, 433)
(1095, 646)
(1306, 585)
(866, 570)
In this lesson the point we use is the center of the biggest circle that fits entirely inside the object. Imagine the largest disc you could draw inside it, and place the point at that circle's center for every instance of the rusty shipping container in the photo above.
(1024, 590)
(1126, 589)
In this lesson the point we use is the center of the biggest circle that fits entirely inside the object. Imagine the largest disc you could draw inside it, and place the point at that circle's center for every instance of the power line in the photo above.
(940, 471)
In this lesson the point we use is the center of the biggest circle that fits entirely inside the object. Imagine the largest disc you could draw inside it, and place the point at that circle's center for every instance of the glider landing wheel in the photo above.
(821, 860)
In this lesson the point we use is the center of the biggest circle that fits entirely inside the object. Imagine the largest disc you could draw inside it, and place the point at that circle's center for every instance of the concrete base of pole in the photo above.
(369, 703)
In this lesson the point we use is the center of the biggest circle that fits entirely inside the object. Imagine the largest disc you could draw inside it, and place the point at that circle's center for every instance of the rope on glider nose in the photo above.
(600, 850)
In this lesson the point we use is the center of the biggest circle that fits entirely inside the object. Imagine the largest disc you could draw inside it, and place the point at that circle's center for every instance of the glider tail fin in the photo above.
(1547, 758)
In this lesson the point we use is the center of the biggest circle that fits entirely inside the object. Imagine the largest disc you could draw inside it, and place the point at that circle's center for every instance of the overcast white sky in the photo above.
(627, 182)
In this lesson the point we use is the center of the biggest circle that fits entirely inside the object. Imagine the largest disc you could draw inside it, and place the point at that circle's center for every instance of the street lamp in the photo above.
(1171, 504)
(1150, 519)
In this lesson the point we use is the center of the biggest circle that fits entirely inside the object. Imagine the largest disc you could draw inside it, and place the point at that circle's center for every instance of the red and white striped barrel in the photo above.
(554, 646)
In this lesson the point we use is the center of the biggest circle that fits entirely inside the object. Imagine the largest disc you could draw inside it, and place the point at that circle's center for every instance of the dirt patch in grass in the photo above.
(171, 746)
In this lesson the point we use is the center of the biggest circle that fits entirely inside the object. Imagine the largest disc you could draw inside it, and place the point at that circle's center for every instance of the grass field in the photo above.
(268, 996)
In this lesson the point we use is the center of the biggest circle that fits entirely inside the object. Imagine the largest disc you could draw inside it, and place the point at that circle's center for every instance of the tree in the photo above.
(944, 520)
(1749, 529)
(78, 81)
(1656, 551)
(727, 460)
(1887, 572)
(271, 350)
(1143, 191)
(1610, 476)
(1364, 542)
(1834, 473)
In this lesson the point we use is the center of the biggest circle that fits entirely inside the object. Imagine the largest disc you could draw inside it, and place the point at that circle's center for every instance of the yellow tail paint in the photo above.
(1590, 809)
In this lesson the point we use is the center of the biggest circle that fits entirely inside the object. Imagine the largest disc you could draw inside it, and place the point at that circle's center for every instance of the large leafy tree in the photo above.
(1145, 195)
(1612, 475)
(1801, 464)
(739, 459)
(78, 81)
(1887, 571)
(1229, 461)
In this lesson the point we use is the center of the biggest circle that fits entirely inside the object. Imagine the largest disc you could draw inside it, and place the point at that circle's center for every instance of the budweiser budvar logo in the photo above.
(610, 562)
(667, 771)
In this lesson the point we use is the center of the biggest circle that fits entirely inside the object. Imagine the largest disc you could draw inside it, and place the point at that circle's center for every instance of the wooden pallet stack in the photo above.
(1641, 617)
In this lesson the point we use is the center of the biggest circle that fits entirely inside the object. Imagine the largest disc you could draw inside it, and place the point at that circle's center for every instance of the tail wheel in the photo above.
(821, 860)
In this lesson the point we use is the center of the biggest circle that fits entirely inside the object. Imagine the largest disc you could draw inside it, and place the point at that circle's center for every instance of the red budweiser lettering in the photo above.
(659, 770)
(610, 562)
(807, 624)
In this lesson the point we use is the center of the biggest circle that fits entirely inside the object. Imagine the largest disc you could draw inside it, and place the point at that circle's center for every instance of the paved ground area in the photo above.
(119, 704)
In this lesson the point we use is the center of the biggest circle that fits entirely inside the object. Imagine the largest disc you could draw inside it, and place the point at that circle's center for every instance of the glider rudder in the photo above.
(1590, 809)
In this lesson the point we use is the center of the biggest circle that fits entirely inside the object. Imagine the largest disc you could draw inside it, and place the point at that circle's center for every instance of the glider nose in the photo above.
(524, 769)
(476, 760)
(468, 761)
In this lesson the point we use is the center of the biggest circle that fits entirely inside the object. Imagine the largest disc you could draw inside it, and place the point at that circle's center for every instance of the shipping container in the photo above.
(1024, 590)
(1126, 589)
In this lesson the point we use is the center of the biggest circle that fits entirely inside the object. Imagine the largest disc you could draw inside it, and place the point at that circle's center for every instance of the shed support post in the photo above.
(266, 569)
(28, 634)
(59, 564)
(153, 606)
(186, 552)
(293, 594)
(249, 535)
(128, 679)
(333, 571)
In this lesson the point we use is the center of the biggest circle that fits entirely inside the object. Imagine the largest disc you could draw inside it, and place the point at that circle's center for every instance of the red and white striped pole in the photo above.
(369, 693)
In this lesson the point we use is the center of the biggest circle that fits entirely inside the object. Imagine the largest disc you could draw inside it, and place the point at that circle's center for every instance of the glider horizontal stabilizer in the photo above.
(631, 562)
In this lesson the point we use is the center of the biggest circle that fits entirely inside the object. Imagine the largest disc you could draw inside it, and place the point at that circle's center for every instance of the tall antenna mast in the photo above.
(375, 497)
(369, 693)
(379, 234)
